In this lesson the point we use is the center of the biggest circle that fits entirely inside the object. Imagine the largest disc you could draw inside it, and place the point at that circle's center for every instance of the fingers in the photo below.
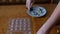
(29, 4)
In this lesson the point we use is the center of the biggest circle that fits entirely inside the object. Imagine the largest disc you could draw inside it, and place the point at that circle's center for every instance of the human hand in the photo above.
(29, 4)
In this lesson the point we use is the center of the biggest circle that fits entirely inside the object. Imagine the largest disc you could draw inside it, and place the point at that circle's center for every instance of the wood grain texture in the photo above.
(19, 11)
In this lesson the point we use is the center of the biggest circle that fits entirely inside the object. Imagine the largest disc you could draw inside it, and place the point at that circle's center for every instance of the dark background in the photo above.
(6, 2)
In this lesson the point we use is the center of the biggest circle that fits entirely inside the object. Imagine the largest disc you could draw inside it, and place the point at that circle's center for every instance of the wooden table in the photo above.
(19, 11)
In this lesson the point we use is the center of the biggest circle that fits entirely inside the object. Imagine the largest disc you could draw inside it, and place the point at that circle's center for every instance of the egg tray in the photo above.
(20, 26)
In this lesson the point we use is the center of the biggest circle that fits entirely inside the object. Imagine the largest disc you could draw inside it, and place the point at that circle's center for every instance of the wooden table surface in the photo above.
(19, 11)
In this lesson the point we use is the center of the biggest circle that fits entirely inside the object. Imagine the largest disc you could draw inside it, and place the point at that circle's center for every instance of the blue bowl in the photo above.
(37, 11)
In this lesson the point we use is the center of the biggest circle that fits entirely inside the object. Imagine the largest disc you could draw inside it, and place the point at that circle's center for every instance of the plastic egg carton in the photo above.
(19, 26)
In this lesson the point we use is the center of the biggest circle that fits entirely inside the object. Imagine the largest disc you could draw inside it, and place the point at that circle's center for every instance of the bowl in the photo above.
(37, 11)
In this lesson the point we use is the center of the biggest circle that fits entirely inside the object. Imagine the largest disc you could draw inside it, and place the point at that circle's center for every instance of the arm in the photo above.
(54, 17)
